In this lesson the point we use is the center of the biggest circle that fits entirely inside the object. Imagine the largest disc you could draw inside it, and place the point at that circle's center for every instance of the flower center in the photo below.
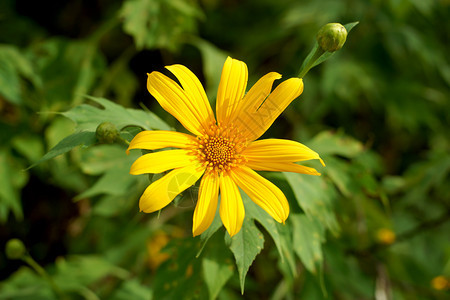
(219, 148)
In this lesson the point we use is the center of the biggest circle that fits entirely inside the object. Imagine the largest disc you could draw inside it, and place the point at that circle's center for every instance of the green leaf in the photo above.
(112, 161)
(82, 138)
(329, 143)
(88, 117)
(68, 68)
(13, 65)
(253, 211)
(76, 272)
(274, 229)
(209, 232)
(132, 289)
(217, 267)
(315, 196)
(25, 284)
(246, 245)
(157, 23)
(213, 60)
(308, 235)
(12, 179)
(178, 277)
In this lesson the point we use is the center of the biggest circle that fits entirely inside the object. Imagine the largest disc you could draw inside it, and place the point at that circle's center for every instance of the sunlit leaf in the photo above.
(246, 245)
(88, 117)
(316, 197)
(82, 138)
(329, 143)
(308, 236)
(114, 164)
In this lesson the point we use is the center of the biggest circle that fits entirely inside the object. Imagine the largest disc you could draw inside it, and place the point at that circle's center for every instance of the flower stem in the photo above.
(41, 271)
(310, 61)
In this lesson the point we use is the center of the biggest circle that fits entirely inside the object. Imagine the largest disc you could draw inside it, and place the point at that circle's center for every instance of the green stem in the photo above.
(41, 271)
(309, 62)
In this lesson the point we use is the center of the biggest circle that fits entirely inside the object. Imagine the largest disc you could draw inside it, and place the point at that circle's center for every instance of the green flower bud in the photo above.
(106, 133)
(15, 249)
(331, 37)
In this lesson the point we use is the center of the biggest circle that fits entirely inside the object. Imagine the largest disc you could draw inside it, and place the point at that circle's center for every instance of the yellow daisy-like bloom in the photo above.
(222, 149)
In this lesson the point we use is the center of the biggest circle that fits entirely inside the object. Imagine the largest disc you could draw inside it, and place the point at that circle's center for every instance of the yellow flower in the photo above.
(222, 149)
(385, 236)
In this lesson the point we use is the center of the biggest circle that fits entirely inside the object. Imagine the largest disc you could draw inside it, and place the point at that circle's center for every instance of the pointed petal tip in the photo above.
(322, 162)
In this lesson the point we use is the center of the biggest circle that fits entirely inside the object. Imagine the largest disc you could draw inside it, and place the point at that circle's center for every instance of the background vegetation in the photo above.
(375, 225)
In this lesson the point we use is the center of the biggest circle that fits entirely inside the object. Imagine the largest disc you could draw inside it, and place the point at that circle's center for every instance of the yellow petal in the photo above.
(281, 167)
(175, 101)
(194, 90)
(254, 98)
(255, 119)
(164, 190)
(162, 161)
(262, 192)
(231, 207)
(158, 139)
(278, 150)
(233, 83)
(208, 197)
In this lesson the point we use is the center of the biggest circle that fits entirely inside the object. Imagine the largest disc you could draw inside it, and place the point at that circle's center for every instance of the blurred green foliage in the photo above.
(374, 225)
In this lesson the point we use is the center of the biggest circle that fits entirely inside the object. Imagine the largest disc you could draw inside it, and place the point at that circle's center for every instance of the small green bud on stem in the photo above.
(331, 37)
(15, 249)
(106, 133)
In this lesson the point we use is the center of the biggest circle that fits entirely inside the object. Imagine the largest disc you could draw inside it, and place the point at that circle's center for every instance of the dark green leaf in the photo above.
(82, 138)
(217, 266)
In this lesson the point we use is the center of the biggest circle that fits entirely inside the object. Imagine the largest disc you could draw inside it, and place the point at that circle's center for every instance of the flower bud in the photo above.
(15, 249)
(331, 37)
(106, 133)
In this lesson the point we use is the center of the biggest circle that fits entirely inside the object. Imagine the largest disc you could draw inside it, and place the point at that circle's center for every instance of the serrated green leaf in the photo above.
(88, 117)
(315, 197)
(253, 211)
(246, 245)
(308, 235)
(82, 138)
